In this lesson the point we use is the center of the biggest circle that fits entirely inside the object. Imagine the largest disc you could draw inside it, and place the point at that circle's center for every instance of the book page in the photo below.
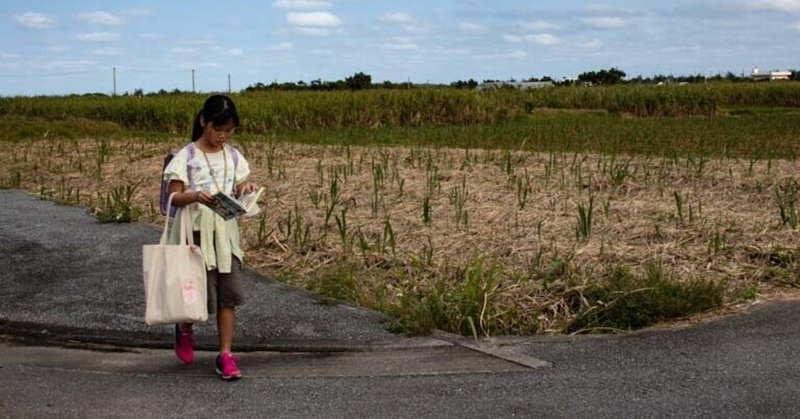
(250, 201)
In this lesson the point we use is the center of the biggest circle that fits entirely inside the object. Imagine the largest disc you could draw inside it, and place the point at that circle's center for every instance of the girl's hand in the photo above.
(203, 197)
(246, 188)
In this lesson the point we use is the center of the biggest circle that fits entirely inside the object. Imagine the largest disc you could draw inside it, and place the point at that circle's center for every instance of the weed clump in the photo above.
(625, 302)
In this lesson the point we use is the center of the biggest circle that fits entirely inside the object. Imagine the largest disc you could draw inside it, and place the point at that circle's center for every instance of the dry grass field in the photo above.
(476, 241)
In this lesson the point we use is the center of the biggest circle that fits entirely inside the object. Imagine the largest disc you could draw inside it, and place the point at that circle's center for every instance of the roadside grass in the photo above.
(117, 206)
(622, 301)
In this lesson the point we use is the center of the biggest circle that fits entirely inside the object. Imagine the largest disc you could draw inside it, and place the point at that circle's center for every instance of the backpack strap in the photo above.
(235, 156)
(164, 195)
(191, 150)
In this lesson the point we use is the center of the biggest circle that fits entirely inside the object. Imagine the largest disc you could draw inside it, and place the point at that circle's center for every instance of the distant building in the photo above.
(770, 75)
(521, 85)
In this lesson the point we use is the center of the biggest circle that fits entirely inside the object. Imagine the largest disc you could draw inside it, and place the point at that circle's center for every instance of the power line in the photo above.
(75, 73)
(29, 75)
(140, 70)
(115, 76)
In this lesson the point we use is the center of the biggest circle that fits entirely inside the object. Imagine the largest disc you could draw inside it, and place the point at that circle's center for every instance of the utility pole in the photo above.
(114, 76)
(229, 83)
(193, 81)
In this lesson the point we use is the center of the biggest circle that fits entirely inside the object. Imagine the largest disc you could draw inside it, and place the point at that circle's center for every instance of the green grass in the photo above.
(623, 301)
(460, 300)
(289, 111)
(761, 136)
(753, 136)
(117, 205)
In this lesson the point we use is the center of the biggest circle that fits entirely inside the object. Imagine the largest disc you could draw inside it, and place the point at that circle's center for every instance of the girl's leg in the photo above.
(230, 296)
(226, 327)
(226, 363)
(184, 343)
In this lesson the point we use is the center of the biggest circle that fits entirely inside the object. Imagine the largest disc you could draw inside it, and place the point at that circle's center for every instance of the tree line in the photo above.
(610, 76)
(361, 81)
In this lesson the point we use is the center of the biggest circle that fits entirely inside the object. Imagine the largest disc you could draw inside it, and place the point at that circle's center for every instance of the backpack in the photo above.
(164, 195)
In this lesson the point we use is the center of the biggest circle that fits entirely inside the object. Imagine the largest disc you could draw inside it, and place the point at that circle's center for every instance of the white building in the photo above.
(770, 75)
(521, 85)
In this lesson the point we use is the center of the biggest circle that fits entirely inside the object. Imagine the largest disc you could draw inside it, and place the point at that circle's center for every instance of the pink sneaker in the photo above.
(184, 345)
(226, 366)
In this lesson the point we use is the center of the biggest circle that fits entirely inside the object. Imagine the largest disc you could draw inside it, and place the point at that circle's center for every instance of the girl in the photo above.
(195, 174)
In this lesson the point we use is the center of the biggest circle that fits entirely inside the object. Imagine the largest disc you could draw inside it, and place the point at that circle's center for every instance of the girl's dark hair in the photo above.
(218, 110)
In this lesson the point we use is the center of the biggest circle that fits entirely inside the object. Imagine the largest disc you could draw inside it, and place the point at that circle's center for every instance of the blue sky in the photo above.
(62, 47)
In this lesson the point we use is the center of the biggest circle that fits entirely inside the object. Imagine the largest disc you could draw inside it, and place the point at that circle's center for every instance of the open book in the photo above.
(229, 207)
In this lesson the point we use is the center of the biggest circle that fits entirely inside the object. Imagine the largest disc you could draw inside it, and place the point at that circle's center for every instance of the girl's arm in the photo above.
(183, 198)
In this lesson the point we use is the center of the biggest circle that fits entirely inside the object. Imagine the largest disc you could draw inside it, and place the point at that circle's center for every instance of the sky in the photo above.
(65, 47)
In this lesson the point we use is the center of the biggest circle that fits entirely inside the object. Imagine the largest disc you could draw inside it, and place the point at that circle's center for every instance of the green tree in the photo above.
(606, 77)
(358, 81)
(461, 84)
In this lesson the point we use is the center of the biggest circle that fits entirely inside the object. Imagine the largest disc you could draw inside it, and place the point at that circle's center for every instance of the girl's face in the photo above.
(216, 136)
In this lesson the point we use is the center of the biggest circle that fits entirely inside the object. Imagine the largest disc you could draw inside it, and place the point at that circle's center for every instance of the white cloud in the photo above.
(775, 5)
(452, 51)
(106, 51)
(401, 43)
(472, 28)
(209, 65)
(183, 50)
(64, 64)
(592, 44)
(401, 47)
(101, 18)
(511, 55)
(314, 19)
(539, 38)
(326, 52)
(396, 18)
(537, 26)
(235, 52)
(599, 9)
(34, 20)
(542, 39)
(97, 37)
(301, 4)
(198, 42)
(605, 22)
(283, 46)
(313, 31)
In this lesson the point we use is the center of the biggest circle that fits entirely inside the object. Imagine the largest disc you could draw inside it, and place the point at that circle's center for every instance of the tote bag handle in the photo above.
(187, 235)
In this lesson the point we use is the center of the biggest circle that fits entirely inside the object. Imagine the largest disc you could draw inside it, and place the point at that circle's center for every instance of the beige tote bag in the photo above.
(175, 277)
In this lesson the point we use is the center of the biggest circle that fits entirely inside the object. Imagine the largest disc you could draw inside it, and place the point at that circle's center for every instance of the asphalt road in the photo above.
(73, 345)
